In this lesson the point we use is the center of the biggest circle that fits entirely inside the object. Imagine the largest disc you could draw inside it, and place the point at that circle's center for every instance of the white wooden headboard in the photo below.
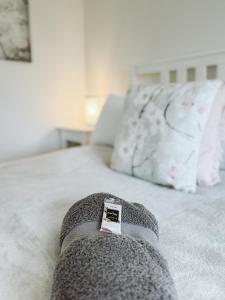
(197, 67)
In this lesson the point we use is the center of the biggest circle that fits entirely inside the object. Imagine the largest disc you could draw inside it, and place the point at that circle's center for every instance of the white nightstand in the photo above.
(72, 137)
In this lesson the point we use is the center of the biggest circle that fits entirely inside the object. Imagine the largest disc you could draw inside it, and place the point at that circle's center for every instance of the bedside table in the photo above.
(73, 137)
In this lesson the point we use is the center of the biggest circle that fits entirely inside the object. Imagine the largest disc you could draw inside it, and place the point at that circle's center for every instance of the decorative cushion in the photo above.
(109, 120)
(161, 132)
(211, 151)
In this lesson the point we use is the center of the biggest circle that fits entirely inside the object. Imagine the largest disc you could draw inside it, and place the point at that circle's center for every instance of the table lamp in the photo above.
(91, 110)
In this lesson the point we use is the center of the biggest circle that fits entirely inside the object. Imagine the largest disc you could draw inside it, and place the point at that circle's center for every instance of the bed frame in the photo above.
(184, 69)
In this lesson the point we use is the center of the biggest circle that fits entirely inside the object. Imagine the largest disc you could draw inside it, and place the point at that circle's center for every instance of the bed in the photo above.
(36, 193)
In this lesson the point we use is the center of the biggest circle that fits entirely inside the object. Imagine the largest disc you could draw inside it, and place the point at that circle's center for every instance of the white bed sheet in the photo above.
(36, 193)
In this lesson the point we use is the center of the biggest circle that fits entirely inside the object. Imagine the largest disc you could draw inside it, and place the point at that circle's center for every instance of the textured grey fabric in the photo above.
(90, 229)
(108, 266)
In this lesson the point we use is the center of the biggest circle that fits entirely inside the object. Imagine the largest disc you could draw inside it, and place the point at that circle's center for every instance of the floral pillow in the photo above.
(161, 132)
(211, 149)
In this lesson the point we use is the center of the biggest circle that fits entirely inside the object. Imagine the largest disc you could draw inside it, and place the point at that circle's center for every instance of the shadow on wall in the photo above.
(47, 143)
(51, 139)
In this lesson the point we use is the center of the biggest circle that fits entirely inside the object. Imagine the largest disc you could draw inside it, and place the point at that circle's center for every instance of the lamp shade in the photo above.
(91, 110)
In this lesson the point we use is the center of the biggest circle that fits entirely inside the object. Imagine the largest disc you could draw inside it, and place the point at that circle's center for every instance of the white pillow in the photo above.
(161, 132)
(109, 121)
(222, 166)
(211, 150)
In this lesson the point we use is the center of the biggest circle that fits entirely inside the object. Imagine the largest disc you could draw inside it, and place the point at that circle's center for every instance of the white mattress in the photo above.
(36, 193)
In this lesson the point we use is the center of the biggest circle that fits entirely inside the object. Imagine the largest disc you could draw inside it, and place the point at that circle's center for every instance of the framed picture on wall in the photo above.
(14, 30)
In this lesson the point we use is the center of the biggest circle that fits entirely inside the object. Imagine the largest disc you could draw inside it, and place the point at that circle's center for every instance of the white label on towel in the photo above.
(111, 219)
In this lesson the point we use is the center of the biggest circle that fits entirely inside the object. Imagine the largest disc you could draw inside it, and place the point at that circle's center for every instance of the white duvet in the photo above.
(36, 193)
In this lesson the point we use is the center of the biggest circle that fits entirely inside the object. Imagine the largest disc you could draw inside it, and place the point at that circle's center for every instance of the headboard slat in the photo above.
(221, 71)
(165, 78)
(182, 75)
(201, 73)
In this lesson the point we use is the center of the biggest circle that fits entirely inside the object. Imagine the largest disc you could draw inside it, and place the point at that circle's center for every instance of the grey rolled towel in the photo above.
(100, 266)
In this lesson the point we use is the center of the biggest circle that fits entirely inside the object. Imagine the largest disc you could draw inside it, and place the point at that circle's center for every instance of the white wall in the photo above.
(36, 98)
(123, 33)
